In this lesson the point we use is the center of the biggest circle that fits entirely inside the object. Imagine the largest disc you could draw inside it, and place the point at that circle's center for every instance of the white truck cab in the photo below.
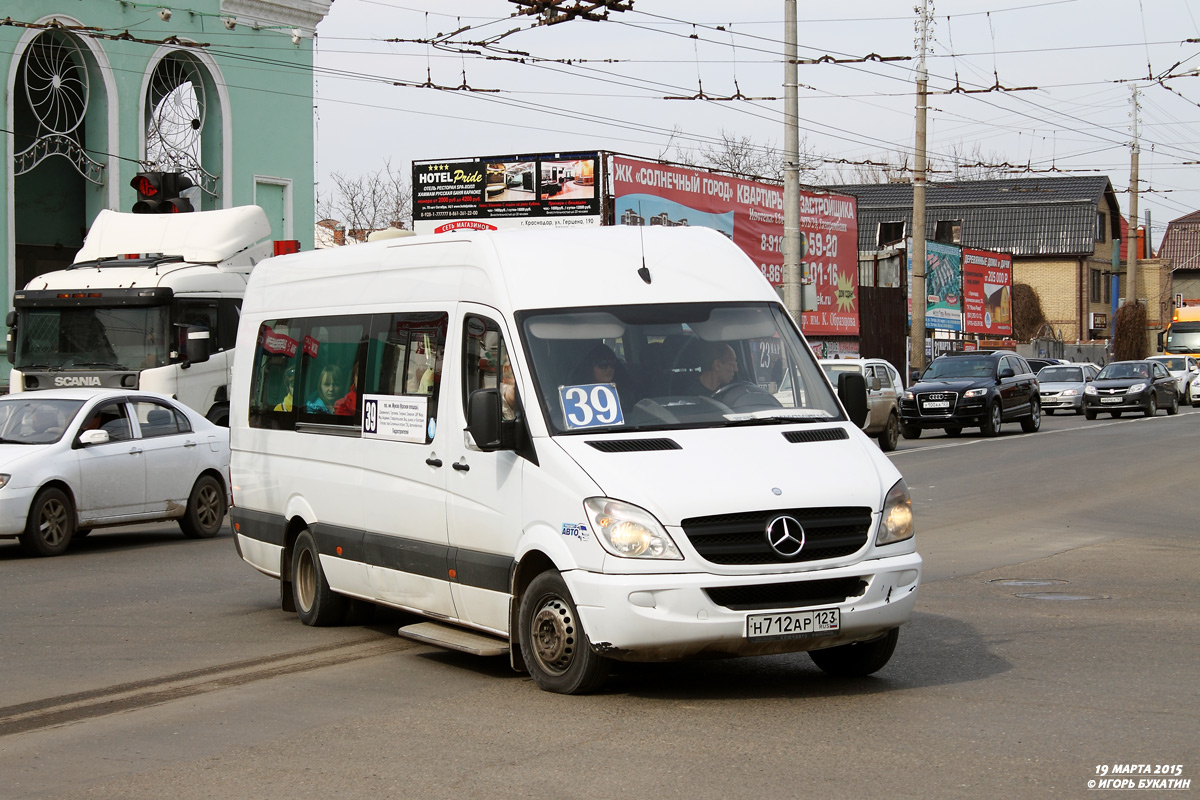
(569, 446)
(120, 316)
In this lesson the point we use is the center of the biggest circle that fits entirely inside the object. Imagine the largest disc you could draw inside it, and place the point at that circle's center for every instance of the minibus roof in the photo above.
(521, 269)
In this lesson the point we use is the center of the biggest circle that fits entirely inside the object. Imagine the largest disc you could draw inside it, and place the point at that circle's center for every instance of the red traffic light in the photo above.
(144, 185)
(159, 193)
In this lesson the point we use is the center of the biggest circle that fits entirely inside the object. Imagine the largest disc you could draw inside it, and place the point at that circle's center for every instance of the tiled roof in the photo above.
(1025, 217)
(1181, 243)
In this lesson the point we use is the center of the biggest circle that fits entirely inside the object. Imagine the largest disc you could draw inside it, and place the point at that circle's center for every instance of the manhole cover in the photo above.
(1025, 582)
(1054, 596)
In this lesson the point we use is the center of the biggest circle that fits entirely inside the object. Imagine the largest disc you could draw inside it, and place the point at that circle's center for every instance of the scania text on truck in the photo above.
(142, 290)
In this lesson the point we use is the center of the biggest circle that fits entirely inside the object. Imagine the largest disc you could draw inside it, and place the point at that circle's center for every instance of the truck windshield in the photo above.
(132, 338)
(1183, 337)
(658, 367)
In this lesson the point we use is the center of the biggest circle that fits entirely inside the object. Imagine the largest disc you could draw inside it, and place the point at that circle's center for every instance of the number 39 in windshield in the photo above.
(591, 405)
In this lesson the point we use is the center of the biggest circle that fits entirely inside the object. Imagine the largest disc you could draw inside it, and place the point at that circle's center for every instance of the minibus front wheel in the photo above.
(555, 648)
(316, 603)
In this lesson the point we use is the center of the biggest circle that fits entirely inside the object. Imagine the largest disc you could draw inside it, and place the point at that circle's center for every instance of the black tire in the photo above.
(993, 421)
(359, 612)
(910, 431)
(1089, 414)
(316, 604)
(50, 524)
(205, 509)
(1151, 406)
(953, 431)
(219, 415)
(1173, 409)
(889, 437)
(553, 643)
(857, 659)
(1033, 422)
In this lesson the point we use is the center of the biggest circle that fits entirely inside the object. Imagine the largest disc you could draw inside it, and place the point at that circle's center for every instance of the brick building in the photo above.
(1059, 230)
(1181, 249)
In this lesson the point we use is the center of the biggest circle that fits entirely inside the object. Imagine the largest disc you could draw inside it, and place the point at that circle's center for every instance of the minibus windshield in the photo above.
(666, 366)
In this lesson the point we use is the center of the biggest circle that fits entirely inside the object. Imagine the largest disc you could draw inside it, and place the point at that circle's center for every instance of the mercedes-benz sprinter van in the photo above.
(568, 446)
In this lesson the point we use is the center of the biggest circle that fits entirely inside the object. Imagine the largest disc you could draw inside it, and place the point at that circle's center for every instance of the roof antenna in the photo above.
(643, 272)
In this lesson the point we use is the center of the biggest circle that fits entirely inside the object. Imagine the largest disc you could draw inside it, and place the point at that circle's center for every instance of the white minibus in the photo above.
(567, 446)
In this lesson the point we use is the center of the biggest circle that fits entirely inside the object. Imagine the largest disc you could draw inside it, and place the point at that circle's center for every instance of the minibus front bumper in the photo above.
(664, 617)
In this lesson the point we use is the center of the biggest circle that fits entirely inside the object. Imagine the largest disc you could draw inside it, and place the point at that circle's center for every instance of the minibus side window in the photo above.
(486, 363)
(273, 382)
(405, 357)
(332, 359)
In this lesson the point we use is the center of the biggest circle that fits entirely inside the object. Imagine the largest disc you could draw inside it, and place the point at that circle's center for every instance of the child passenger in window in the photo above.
(329, 387)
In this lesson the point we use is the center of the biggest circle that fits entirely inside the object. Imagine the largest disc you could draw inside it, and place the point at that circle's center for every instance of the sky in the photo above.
(394, 83)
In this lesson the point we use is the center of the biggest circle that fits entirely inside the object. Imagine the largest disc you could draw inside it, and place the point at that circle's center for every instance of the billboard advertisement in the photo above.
(943, 286)
(987, 292)
(502, 192)
(751, 215)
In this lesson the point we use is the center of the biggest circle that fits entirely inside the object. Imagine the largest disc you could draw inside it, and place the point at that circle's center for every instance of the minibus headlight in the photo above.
(4, 480)
(897, 522)
(627, 531)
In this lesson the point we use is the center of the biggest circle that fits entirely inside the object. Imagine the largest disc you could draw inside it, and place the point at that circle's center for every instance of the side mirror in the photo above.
(199, 346)
(1007, 372)
(1160, 340)
(97, 436)
(484, 418)
(10, 339)
(852, 391)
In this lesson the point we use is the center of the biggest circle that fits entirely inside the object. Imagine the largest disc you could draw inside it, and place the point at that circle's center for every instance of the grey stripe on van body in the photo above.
(427, 559)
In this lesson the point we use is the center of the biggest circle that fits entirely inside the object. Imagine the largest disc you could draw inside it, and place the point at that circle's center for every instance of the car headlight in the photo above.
(974, 392)
(909, 396)
(1089, 389)
(896, 524)
(4, 480)
(1137, 387)
(1070, 392)
(627, 531)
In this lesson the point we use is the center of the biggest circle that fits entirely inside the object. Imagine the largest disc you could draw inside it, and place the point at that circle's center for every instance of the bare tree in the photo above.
(971, 165)
(740, 156)
(367, 203)
(881, 168)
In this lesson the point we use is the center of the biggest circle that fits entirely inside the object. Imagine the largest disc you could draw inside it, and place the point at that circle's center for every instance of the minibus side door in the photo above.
(405, 461)
(484, 489)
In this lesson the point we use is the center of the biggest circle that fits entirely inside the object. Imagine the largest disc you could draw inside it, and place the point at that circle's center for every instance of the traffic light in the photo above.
(159, 192)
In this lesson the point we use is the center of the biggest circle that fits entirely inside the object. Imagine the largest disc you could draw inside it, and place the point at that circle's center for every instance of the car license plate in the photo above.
(793, 625)
(1110, 399)
(938, 404)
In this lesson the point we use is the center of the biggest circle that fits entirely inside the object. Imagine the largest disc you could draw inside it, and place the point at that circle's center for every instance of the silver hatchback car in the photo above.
(884, 386)
(1061, 386)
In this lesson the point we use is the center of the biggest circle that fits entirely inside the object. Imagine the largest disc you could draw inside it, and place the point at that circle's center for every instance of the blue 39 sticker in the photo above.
(591, 405)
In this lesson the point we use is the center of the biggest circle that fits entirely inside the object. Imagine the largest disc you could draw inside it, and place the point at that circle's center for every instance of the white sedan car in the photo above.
(76, 459)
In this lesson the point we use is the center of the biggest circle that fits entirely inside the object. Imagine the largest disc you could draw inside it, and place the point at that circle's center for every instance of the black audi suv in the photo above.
(976, 387)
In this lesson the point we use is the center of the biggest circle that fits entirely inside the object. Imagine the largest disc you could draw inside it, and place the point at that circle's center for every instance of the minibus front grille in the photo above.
(799, 594)
(739, 539)
(816, 435)
(635, 445)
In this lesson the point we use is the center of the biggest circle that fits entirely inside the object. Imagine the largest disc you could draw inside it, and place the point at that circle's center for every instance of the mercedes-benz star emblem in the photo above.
(786, 536)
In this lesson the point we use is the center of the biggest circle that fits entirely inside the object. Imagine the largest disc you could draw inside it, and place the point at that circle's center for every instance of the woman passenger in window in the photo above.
(329, 388)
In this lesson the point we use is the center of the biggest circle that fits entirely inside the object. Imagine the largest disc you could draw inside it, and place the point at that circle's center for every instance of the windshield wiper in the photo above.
(101, 364)
(776, 418)
(12, 441)
(47, 367)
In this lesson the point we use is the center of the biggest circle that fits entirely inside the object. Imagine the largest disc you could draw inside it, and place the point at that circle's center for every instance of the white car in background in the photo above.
(1061, 386)
(76, 459)
(884, 386)
(1186, 372)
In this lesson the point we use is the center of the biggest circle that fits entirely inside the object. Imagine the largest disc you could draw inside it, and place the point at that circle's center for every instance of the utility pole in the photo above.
(916, 356)
(792, 276)
(1131, 274)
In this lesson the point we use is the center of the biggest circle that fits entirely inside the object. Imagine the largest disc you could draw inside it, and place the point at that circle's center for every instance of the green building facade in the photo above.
(96, 91)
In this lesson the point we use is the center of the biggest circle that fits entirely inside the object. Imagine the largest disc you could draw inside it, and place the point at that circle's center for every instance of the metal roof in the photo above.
(1181, 243)
(1025, 217)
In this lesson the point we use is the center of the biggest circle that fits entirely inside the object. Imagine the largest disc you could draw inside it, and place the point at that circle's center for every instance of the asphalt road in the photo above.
(1056, 633)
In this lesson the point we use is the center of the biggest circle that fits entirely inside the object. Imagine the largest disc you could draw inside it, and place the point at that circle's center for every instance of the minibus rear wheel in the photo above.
(857, 659)
(555, 648)
(316, 603)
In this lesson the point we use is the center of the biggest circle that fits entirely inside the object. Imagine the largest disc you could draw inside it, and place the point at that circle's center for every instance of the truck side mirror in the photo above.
(10, 338)
(484, 418)
(199, 346)
(1160, 341)
(852, 391)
